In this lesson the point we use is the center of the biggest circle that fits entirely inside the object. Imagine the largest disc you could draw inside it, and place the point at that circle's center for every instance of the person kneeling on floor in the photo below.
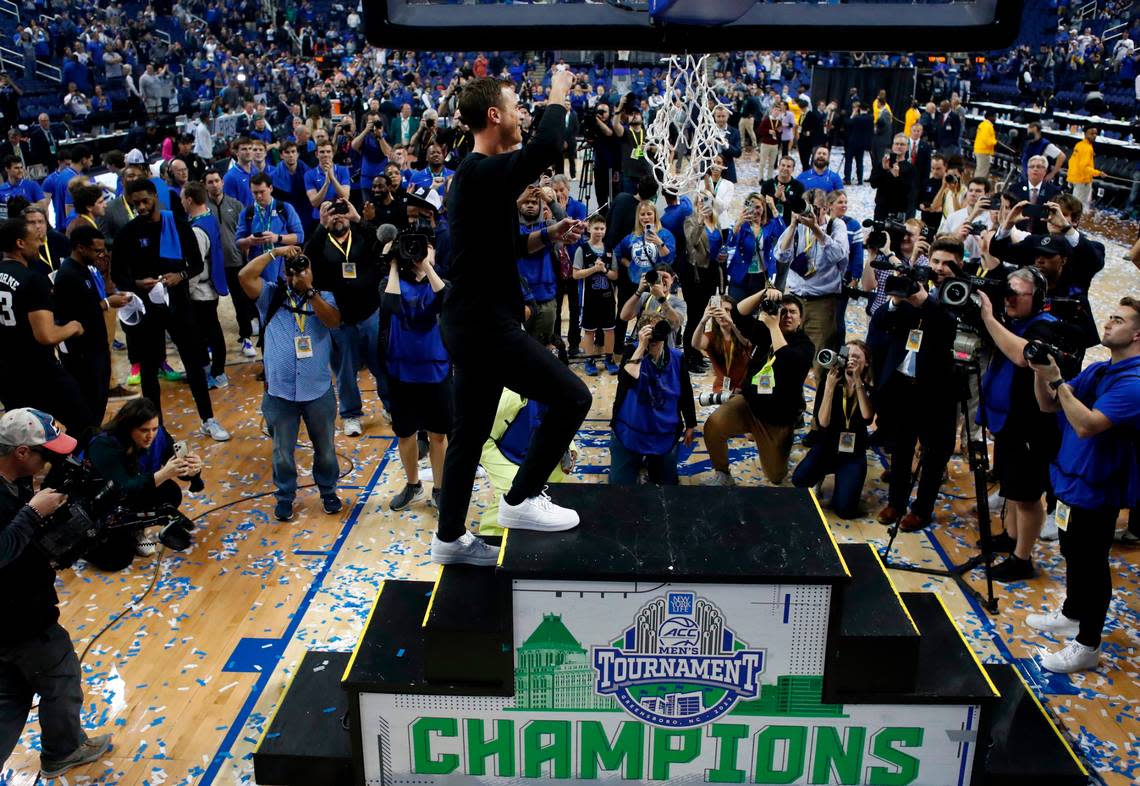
(653, 407)
(136, 453)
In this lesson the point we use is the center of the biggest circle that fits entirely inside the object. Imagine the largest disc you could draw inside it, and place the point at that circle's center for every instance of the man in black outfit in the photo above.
(81, 294)
(812, 133)
(893, 181)
(483, 316)
(859, 135)
(30, 375)
(164, 252)
(915, 336)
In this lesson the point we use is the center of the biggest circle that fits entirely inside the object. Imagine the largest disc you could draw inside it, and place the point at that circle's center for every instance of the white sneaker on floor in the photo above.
(719, 478)
(247, 348)
(1074, 656)
(538, 513)
(352, 427)
(1049, 529)
(480, 473)
(995, 501)
(213, 429)
(145, 545)
(468, 550)
(1054, 623)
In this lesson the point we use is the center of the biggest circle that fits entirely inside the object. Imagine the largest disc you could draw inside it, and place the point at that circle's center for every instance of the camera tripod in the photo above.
(979, 462)
(586, 174)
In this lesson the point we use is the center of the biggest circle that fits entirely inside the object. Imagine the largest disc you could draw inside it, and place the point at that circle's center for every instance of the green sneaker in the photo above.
(136, 375)
(169, 374)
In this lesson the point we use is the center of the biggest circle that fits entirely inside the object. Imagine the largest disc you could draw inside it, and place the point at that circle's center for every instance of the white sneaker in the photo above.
(1074, 656)
(213, 429)
(1049, 529)
(1054, 623)
(538, 513)
(468, 550)
(145, 546)
(247, 348)
(995, 501)
(719, 478)
(255, 327)
(352, 427)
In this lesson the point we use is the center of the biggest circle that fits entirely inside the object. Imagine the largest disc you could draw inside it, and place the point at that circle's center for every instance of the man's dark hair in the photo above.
(1033, 124)
(10, 161)
(85, 195)
(477, 97)
(115, 158)
(950, 244)
(261, 179)
(290, 144)
(984, 182)
(64, 154)
(142, 184)
(990, 115)
(195, 192)
(788, 299)
(85, 235)
(12, 231)
(938, 157)
(1134, 304)
(647, 188)
(16, 205)
(238, 142)
(80, 152)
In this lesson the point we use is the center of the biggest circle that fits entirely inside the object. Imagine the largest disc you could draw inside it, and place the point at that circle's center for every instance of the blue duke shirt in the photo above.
(286, 375)
(315, 179)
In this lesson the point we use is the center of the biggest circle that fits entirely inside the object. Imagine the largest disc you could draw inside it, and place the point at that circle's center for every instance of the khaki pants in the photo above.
(1083, 192)
(734, 418)
(982, 167)
(769, 155)
(748, 132)
(541, 323)
(820, 324)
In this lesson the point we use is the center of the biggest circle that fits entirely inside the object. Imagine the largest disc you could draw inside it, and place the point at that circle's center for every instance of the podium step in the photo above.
(1026, 749)
(680, 533)
(468, 628)
(306, 741)
(947, 670)
(390, 656)
(877, 647)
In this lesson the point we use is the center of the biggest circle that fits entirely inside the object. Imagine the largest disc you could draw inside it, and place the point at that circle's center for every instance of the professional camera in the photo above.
(962, 292)
(714, 399)
(881, 231)
(1066, 309)
(297, 264)
(831, 358)
(904, 280)
(978, 227)
(771, 306)
(412, 243)
(661, 331)
(1038, 353)
(92, 513)
(650, 277)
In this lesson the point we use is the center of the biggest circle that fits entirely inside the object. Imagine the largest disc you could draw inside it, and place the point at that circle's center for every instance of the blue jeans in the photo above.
(850, 470)
(625, 465)
(284, 420)
(356, 346)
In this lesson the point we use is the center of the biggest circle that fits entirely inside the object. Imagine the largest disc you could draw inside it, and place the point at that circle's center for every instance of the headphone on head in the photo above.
(1040, 285)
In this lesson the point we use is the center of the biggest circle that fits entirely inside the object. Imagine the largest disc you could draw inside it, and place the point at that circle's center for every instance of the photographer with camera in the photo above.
(655, 298)
(607, 152)
(893, 179)
(914, 334)
(973, 218)
(418, 366)
(1062, 218)
(344, 262)
(373, 147)
(750, 249)
(298, 321)
(773, 397)
(629, 131)
(1096, 473)
(841, 443)
(37, 657)
(267, 223)
(653, 408)
(136, 453)
(913, 250)
(1025, 440)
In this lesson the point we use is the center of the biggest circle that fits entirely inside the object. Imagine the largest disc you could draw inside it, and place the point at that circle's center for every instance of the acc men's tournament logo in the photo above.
(679, 665)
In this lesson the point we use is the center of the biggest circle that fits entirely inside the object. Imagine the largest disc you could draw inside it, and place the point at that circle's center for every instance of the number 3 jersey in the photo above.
(22, 291)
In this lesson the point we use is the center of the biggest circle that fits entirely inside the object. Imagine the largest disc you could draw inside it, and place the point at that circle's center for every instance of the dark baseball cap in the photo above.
(1049, 245)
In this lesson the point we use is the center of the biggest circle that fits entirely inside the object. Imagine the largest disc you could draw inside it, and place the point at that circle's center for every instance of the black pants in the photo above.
(697, 286)
(176, 319)
(625, 290)
(117, 551)
(571, 156)
(210, 329)
(91, 370)
(485, 362)
(935, 428)
(244, 308)
(51, 389)
(853, 156)
(805, 155)
(43, 665)
(568, 289)
(604, 187)
(1088, 579)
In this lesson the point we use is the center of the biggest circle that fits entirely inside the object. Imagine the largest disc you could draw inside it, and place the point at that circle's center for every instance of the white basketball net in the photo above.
(683, 138)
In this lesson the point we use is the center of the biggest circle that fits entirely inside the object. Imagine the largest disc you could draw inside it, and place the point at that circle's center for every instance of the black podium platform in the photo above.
(678, 635)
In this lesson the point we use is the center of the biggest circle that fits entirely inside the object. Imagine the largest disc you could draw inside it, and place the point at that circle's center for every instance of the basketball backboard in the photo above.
(694, 25)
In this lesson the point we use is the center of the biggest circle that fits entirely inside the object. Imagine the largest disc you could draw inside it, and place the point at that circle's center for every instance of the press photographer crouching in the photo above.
(653, 406)
(136, 453)
(773, 395)
(844, 413)
(36, 653)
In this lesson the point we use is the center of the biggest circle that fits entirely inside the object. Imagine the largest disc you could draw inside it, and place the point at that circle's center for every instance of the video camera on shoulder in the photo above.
(903, 280)
(961, 292)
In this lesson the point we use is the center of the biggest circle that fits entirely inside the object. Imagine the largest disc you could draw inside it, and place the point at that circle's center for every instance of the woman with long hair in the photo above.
(844, 413)
(728, 350)
(750, 248)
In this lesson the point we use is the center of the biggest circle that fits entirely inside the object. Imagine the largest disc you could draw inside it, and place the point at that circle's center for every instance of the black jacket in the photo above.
(934, 369)
(859, 132)
(730, 153)
(947, 130)
(141, 236)
(41, 149)
(27, 579)
(74, 296)
(790, 365)
(893, 194)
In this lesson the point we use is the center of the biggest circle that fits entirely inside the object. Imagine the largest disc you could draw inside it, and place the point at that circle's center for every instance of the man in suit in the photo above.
(859, 137)
(403, 126)
(570, 138)
(731, 151)
(881, 141)
(918, 153)
(812, 133)
(893, 182)
(15, 145)
(43, 144)
(948, 130)
(1035, 189)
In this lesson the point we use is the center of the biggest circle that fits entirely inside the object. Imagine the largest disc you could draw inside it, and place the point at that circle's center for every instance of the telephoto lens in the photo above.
(713, 399)
(830, 358)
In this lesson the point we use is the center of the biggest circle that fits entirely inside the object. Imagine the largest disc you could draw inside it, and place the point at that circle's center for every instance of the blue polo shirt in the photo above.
(235, 183)
(286, 375)
(425, 177)
(372, 160)
(279, 218)
(315, 179)
(56, 185)
(828, 181)
(1102, 472)
(26, 188)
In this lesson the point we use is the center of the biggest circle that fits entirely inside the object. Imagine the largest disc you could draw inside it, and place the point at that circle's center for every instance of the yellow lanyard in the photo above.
(298, 314)
(982, 270)
(639, 140)
(45, 255)
(848, 415)
(346, 249)
(127, 206)
(90, 221)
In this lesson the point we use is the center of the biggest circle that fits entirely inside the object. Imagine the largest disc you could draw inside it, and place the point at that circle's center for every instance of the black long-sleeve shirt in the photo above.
(790, 365)
(485, 240)
(27, 579)
(136, 254)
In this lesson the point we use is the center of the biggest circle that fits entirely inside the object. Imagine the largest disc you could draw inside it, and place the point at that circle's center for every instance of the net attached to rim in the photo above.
(683, 138)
